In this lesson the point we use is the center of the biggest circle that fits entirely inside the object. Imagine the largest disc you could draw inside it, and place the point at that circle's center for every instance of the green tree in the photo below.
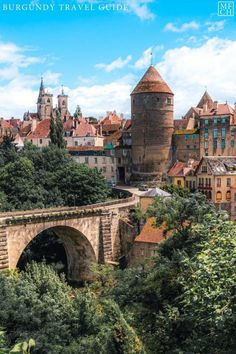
(8, 150)
(57, 131)
(78, 112)
(53, 133)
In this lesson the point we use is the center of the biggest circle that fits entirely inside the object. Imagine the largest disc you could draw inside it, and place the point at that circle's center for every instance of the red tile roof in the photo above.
(111, 118)
(68, 125)
(85, 129)
(152, 82)
(42, 130)
(182, 169)
(222, 109)
(151, 234)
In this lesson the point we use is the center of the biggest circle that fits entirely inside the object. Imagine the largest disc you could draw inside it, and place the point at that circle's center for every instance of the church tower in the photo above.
(152, 105)
(63, 105)
(44, 103)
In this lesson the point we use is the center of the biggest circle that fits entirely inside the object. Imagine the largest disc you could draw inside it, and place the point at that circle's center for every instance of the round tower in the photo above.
(152, 104)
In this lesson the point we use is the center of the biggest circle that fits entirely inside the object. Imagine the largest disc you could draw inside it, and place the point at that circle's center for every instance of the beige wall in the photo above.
(85, 141)
(106, 164)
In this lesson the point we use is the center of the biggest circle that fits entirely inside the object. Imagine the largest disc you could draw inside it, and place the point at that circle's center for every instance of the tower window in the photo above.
(63, 103)
(158, 99)
(168, 100)
(48, 100)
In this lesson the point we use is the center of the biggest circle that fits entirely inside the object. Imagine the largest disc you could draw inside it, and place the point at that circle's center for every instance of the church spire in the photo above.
(41, 89)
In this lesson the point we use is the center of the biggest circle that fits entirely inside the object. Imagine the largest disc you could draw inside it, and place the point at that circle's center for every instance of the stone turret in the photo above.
(152, 104)
(44, 103)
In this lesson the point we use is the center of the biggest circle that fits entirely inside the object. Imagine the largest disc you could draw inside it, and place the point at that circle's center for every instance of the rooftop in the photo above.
(152, 82)
(156, 192)
(221, 165)
(150, 233)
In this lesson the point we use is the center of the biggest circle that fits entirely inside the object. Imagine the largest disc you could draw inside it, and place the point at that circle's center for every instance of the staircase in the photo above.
(4, 263)
(106, 240)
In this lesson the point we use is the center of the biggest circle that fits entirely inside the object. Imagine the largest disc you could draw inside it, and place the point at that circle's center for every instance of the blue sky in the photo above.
(99, 55)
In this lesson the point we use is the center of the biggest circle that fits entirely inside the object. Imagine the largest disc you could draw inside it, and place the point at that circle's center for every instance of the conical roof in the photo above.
(152, 82)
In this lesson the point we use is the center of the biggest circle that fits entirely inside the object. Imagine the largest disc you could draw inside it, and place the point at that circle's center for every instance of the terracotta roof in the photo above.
(206, 99)
(151, 234)
(177, 169)
(180, 123)
(68, 125)
(127, 124)
(5, 124)
(111, 118)
(222, 109)
(85, 148)
(152, 82)
(85, 129)
(182, 169)
(41, 131)
(25, 130)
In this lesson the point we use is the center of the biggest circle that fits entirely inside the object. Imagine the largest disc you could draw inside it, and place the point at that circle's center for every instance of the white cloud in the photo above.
(141, 9)
(215, 26)
(116, 64)
(193, 25)
(188, 70)
(145, 60)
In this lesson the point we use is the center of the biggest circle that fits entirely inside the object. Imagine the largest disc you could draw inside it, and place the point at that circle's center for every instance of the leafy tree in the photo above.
(53, 133)
(8, 150)
(41, 305)
(174, 189)
(57, 131)
(78, 112)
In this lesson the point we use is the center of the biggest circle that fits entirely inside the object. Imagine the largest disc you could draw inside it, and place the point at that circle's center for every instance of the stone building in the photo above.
(218, 131)
(152, 103)
(216, 178)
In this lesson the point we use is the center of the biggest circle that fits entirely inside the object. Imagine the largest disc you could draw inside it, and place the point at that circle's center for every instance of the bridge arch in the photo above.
(79, 251)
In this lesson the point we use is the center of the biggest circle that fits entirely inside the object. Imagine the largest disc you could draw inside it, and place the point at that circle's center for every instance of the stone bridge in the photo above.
(89, 234)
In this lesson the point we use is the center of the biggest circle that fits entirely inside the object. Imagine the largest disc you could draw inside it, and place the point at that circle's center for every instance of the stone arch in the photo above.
(79, 251)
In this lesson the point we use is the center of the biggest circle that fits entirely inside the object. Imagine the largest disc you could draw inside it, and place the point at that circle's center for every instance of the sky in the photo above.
(99, 50)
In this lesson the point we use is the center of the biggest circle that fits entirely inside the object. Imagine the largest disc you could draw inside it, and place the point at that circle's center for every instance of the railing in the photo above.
(67, 209)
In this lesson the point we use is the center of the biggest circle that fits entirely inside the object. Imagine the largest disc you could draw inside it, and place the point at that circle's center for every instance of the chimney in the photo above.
(215, 105)
(34, 124)
(205, 107)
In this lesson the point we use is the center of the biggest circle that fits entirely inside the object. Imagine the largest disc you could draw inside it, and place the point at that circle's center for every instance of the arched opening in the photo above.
(48, 247)
(65, 248)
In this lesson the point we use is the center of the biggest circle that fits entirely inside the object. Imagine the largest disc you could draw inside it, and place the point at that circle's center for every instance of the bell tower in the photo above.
(63, 104)
(44, 103)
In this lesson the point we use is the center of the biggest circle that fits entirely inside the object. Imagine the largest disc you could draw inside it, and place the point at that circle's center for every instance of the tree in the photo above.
(38, 304)
(57, 131)
(78, 112)
(8, 150)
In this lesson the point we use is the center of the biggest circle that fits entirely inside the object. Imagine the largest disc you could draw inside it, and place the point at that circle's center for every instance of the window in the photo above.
(228, 182)
(86, 159)
(215, 133)
(206, 133)
(194, 136)
(205, 144)
(188, 146)
(235, 197)
(215, 120)
(168, 100)
(206, 121)
(40, 141)
(223, 120)
(218, 196)
(223, 144)
(112, 169)
(104, 169)
(179, 182)
(228, 196)
(215, 144)
(223, 132)
(204, 168)
(186, 136)
(232, 143)
(104, 160)
(95, 159)
(76, 143)
(218, 182)
(158, 99)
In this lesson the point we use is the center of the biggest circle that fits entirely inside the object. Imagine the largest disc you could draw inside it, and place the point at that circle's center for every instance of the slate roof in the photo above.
(156, 192)
(220, 165)
(152, 82)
